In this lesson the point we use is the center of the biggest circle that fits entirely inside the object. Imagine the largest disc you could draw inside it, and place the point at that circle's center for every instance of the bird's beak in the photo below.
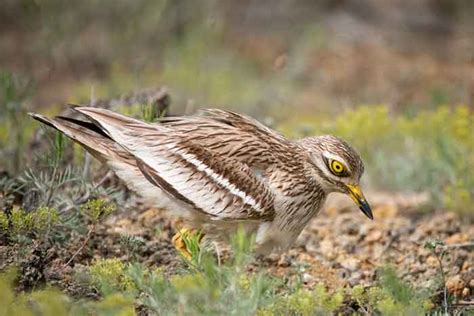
(356, 194)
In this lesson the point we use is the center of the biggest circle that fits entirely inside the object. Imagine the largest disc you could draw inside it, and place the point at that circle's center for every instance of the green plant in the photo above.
(132, 244)
(392, 296)
(3, 222)
(305, 302)
(437, 248)
(38, 221)
(97, 209)
(14, 129)
(108, 275)
(51, 301)
(206, 286)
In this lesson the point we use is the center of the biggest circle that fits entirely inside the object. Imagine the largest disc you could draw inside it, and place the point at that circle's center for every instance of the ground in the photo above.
(340, 248)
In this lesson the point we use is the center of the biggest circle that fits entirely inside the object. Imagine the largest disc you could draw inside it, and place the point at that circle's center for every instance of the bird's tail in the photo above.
(88, 135)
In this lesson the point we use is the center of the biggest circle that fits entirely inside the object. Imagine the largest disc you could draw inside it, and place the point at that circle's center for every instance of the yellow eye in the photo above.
(337, 168)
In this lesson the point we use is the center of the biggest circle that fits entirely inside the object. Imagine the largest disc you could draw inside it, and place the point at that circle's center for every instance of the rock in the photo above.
(149, 215)
(355, 279)
(327, 249)
(374, 236)
(455, 285)
(350, 264)
(432, 261)
(307, 278)
(466, 266)
(466, 292)
(457, 239)
(285, 261)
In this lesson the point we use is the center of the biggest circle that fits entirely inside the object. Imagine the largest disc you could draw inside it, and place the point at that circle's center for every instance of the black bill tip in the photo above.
(365, 208)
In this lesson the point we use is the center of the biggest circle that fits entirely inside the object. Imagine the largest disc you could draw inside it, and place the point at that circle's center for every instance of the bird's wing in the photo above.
(231, 135)
(214, 184)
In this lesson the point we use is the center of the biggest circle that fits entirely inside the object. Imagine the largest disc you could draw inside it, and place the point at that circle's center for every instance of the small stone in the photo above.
(355, 279)
(350, 264)
(466, 292)
(432, 261)
(466, 265)
(307, 278)
(285, 261)
(455, 285)
(457, 239)
(327, 249)
(374, 236)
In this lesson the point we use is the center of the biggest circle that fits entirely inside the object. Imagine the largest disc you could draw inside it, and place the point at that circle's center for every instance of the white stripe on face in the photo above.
(330, 156)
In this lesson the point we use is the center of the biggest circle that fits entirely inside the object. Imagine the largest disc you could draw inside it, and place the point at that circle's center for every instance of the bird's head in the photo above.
(337, 167)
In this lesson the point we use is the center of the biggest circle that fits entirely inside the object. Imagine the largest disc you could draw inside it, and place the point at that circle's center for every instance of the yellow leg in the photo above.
(182, 236)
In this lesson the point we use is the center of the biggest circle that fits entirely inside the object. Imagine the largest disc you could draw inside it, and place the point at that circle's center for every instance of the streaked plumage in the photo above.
(220, 169)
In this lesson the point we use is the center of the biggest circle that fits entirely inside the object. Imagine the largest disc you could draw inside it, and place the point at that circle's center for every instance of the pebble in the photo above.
(466, 292)
(307, 278)
(466, 265)
(374, 236)
(350, 264)
(432, 261)
(455, 285)
(355, 279)
(327, 249)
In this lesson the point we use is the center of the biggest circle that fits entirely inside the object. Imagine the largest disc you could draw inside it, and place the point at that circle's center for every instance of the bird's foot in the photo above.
(187, 242)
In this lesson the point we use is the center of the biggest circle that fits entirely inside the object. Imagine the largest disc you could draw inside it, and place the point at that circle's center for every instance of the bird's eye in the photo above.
(337, 168)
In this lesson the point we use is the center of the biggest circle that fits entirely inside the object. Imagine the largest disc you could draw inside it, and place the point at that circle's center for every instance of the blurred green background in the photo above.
(395, 78)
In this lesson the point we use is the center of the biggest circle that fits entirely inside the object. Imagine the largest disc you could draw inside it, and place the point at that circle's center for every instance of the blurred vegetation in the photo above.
(15, 132)
(50, 301)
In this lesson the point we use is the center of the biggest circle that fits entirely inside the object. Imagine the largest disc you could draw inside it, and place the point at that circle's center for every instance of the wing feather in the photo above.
(220, 186)
(232, 135)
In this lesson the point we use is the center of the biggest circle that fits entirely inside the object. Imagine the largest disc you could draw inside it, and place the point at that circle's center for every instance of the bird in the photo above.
(221, 170)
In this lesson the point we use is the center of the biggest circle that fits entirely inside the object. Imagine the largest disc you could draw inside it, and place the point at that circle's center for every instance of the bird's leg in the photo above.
(187, 241)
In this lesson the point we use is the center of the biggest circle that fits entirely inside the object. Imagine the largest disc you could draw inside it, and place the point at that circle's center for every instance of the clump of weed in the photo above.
(108, 275)
(33, 224)
(51, 301)
(306, 302)
(207, 286)
(14, 129)
(392, 296)
(97, 209)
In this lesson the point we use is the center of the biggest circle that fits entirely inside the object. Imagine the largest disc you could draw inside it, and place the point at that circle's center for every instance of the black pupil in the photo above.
(337, 167)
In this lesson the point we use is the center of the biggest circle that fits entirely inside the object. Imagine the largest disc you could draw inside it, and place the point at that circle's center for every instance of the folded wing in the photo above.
(198, 177)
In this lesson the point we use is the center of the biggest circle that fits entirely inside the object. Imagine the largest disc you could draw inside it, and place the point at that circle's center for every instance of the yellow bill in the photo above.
(356, 194)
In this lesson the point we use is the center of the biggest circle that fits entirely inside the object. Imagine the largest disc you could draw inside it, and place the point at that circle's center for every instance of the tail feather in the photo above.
(87, 135)
(101, 146)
